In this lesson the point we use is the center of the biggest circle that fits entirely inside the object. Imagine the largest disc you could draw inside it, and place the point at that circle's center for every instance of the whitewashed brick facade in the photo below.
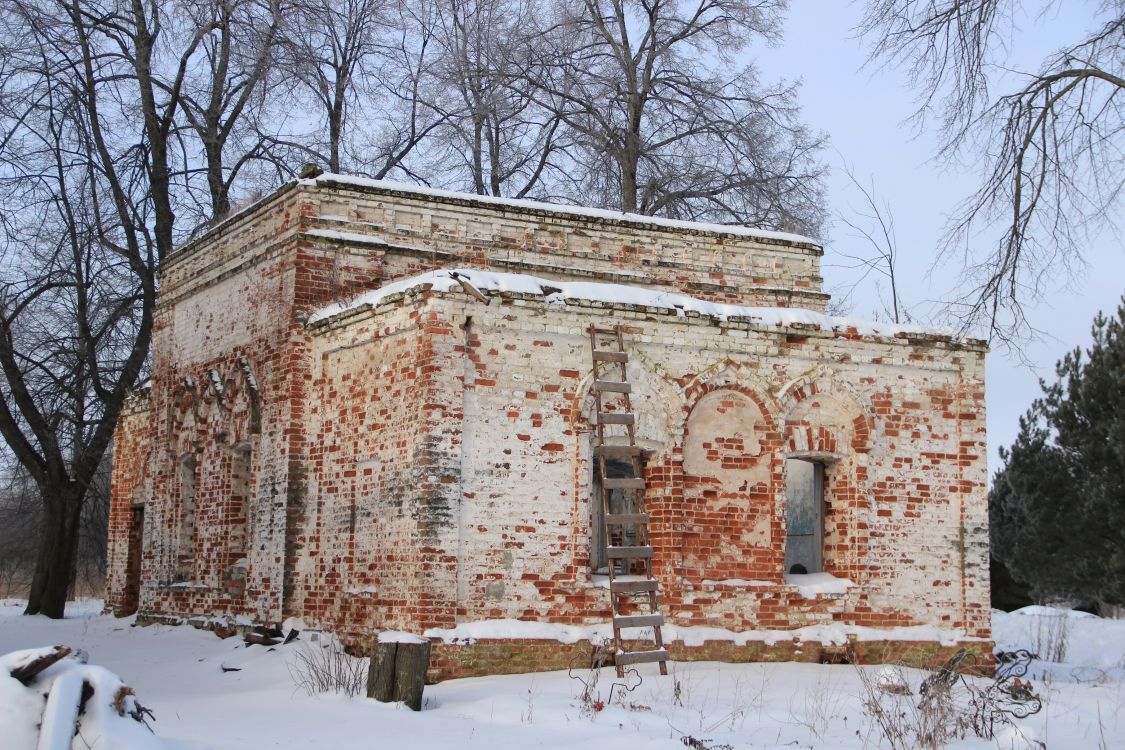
(426, 462)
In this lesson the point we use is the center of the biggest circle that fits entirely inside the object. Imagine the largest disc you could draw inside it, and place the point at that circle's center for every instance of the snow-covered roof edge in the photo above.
(558, 292)
(208, 231)
(328, 179)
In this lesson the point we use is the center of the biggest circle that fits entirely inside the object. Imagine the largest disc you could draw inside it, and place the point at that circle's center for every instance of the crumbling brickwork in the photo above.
(512, 656)
(424, 462)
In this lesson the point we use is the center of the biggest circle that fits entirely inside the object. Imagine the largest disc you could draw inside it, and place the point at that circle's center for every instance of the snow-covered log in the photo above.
(50, 699)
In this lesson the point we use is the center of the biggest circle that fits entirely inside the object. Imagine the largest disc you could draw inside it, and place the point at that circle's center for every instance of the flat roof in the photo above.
(388, 186)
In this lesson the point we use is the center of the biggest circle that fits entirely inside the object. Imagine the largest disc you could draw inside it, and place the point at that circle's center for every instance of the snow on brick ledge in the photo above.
(558, 292)
(399, 636)
(578, 211)
(828, 635)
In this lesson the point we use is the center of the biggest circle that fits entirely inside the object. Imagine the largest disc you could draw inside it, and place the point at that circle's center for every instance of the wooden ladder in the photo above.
(630, 551)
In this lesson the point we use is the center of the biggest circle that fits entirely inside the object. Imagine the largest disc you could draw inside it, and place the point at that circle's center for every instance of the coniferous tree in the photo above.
(1057, 506)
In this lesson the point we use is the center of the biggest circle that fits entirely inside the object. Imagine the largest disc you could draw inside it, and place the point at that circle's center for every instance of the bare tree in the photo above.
(235, 52)
(1051, 146)
(21, 518)
(407, 95)
(19, 527)
(334, 47)
(669, 123)
(373, 58)
(116, 114)
(89, 106)
(623, 103)
(499, 135)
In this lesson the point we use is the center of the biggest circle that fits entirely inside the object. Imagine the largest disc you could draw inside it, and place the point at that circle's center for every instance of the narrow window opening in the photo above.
(237, 511)
(620, 502)
(188, 473)
(804, 517)
(239, 500)
(132, 595)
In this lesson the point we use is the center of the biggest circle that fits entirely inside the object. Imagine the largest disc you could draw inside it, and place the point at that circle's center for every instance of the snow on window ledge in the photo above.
(740, 583)
(813, 585)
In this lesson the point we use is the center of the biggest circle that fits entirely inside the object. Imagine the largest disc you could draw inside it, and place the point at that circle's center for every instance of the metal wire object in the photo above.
(586, 669)
(1008, 696)
(1012, 694)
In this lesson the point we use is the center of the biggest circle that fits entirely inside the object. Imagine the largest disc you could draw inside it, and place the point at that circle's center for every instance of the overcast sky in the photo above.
(863, 111)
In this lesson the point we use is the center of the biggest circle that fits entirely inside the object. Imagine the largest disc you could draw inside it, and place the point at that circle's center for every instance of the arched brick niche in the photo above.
(210, 474)
(731, 465)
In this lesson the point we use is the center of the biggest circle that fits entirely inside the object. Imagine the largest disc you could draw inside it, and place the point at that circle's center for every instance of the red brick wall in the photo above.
(505, 417)
(379, 488)
(732, 469)
(414, 233)
(130, 485)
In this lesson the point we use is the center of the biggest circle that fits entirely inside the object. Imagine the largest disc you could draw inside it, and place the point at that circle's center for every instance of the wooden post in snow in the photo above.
(381, 673)
(398, 669)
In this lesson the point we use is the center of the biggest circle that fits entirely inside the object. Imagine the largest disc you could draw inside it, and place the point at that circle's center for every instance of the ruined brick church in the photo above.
(374, 407)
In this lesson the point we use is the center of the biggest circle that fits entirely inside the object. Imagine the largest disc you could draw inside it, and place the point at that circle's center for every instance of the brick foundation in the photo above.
(449, 661)
(478, 658)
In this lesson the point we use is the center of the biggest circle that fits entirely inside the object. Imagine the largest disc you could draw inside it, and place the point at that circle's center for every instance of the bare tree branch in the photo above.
(1052, 148)
(874, 225)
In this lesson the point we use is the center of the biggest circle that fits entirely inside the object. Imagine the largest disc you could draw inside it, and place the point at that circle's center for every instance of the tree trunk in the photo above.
(411, 662)
(54, 566)
(631, 152)
(220, 198)
(398, 672)
(629, 186)
(381, 674)
(478, 154)
(336, 128)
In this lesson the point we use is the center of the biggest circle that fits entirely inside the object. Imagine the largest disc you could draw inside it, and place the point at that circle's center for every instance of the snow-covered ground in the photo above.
(178, 673)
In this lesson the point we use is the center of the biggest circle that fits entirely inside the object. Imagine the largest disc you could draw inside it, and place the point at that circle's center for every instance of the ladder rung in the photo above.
(633, 587)
(612, 386)
(626, 519)
(623, 483)
(639, 621)
(601, 355)
(618, 451)
(641, 657)
(603, 331)
(612, 418)
(627, 553)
